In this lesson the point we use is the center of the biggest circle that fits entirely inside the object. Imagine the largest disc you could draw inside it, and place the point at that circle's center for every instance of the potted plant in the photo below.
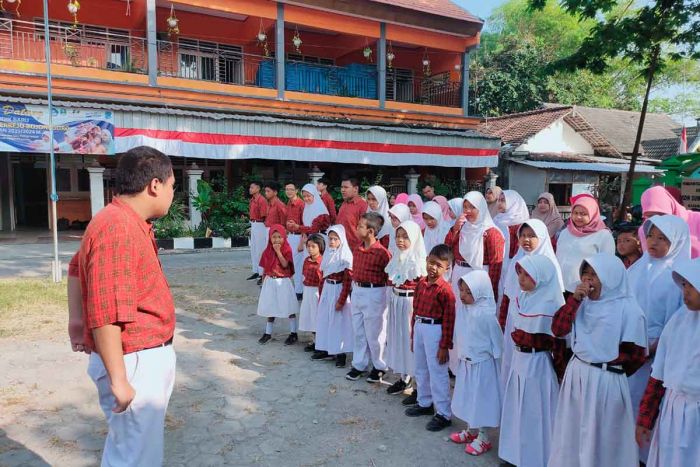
(172, 226)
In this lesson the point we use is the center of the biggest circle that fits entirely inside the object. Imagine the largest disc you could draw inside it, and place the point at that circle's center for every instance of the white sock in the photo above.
(406, 379)
(482, 436)
(292, 325)
(268, 327)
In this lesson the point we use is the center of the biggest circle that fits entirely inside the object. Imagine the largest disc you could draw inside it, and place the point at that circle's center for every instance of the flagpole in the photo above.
(56, 271)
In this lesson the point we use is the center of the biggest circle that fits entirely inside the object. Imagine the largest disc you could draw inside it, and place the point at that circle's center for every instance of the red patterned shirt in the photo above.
(513, 243)
(408, 285)
(494, 246)
(312, 272)
(276, 213)
(74, 265)
(295, 210)
(345, 277)
(368, 264)
(349, 216)
(122, 281)
(257, 208)
(651, 403)
(330, 205)
(319, 224)
(437, 301)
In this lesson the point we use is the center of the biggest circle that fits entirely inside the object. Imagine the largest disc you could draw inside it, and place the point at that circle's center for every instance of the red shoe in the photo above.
(462, 437)
(477, 447)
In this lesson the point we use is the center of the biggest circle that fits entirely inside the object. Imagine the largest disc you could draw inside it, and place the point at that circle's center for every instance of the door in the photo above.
(31, 201)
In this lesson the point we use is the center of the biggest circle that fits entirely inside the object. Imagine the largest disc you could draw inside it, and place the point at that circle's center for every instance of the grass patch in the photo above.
(32, 306)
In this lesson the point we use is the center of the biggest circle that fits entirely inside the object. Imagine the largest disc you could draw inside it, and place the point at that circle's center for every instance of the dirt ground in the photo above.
(235, 402)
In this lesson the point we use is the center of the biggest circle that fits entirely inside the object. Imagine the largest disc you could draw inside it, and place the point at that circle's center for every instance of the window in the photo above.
(561, 193)
(63, 179)
(399, 85)
(210, 61)
(310, 59)
(83, 180)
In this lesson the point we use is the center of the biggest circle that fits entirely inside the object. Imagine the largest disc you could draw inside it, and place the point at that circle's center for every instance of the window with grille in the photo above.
(399, 85)
(210, 61)
(310, 59)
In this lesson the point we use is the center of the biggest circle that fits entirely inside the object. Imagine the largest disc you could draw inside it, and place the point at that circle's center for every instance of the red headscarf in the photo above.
(269, 258)
(590, 204)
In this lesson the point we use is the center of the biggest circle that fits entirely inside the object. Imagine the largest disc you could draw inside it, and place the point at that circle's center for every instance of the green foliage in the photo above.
(174, 223)
(449, 188)
(224, 212)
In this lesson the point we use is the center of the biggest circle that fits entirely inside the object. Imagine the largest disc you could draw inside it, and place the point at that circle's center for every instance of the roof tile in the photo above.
(444, 8)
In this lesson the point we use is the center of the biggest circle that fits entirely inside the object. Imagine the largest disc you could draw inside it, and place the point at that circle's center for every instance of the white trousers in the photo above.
(369, 312)
(299, 257)
(135, 436)
(432, 379)
(258, 243)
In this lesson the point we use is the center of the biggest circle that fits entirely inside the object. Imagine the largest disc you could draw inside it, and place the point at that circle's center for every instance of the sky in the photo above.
(480, 8)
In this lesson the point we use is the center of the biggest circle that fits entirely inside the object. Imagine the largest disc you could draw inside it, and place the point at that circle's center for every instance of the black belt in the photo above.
(333, 281)
(605, 367)
(403, 292)
(423, 320)
(164, 344)
(463, 264)
(278, 277)
(369, 285)
(524, 349)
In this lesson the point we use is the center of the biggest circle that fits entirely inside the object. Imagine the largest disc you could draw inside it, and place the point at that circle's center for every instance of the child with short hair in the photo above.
(479, 342)
(404, 270)
(334, 321)
(670, 404)
(315, 245)
(369, 299)
(277, 296)
(431, 339)
(627, 243)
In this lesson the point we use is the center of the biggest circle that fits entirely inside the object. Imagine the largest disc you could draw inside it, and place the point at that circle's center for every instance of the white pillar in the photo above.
(97, 188)
(491, 179)
(315, 175)
(194, 174)
(412, 182)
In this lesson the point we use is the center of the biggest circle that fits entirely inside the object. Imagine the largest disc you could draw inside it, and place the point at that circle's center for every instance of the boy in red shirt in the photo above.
(369, 307)
(431, 340)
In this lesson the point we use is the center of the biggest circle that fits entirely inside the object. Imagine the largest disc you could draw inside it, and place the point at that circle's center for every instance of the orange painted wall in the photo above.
(108, 13)
(74, 209)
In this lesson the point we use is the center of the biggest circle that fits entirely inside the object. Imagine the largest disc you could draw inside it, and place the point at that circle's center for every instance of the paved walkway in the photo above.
(235, 402)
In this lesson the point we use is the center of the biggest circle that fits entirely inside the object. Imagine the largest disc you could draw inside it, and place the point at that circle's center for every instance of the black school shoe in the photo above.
(310, 347)
(259, 282)
(397, 388)
(293, 338)
(340, 360)
(265, 339)
(255, 275)
(319, 355)
(300, 297)
(375, 376)
(412, 399)
(354, 374)
(438, 423)
(419, 411)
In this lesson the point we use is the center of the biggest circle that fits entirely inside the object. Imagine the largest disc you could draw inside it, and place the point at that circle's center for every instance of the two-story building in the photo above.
(277, 88)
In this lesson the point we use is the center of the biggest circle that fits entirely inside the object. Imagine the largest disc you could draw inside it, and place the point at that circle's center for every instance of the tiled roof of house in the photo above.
(444, 8)
(515, 129)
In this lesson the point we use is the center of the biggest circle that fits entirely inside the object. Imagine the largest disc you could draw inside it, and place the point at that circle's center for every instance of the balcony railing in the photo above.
(82, 46)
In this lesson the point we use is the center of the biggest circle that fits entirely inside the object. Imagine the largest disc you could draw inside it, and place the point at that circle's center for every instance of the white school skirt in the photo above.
(298, 257)
(594, 425)
(457, 273)
(398, 353)
(638, 384)
(277, 298)
(529, 408)
(508, 344)
(675, 439)
(477, 395)
(333, 328)
(309, 309)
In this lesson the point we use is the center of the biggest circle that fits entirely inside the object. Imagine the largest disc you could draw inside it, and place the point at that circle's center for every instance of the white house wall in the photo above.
(558, 137)
(528, 181)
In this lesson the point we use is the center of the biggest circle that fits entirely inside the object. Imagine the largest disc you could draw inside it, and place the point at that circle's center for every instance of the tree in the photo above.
(658, 32)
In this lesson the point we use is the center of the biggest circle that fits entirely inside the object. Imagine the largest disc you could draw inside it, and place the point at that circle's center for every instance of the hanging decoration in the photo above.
(458, 69)
(73, 8)
(390, 56)
(262, 39)
(19, 2)
(296, 40)
(128, 7)
(426, 63)
(173, 22)
(367, 52)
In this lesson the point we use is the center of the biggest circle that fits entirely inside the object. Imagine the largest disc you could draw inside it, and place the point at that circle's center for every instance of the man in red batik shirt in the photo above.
(257, 211)
(295, 212)
(322, 187)
(351, 210)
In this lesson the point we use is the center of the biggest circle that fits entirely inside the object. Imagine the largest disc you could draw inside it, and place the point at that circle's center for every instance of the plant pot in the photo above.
(183, 243)
(238, 242)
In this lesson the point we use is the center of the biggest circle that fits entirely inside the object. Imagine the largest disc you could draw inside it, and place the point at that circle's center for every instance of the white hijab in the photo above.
(511, 288)
(316, 208)
(436, 235)
(478, 336)
(678, 354)
(471, 236)
(516, 211)
(650, 278)
(382, 209)
(337, 259)
(403, 214)
(409, 264)
(601, 325)
(536, 308)
(457, 208)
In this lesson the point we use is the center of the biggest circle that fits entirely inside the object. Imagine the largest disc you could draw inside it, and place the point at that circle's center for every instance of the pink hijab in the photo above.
(590, 204)
(418, 201)
(658, 199)
(445, 206)
(402, 198)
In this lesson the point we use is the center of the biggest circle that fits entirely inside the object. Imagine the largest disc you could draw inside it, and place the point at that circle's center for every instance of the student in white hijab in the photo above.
(435, 227)
(334, 334)
(673, 391)
(652, 285)
(533, 239)
(478, 341)
(456, 209)
(397, 214)
(382, 208)
(595, 420)
(530, 396)
(315, 217)
(404, 270)
(513, 212)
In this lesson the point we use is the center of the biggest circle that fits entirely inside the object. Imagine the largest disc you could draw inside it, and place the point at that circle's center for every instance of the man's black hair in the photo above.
(138, 167)
(353, 181)
(318, 240)
(375, 221)
(442, 252)
(325, 181)
(257, 182)
(290, 183)
(272, 185)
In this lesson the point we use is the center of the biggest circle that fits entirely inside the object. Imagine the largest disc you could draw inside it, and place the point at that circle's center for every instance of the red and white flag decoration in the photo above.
(684, 142)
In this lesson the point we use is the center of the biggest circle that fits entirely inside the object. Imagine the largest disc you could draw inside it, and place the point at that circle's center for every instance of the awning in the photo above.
(589, 166)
